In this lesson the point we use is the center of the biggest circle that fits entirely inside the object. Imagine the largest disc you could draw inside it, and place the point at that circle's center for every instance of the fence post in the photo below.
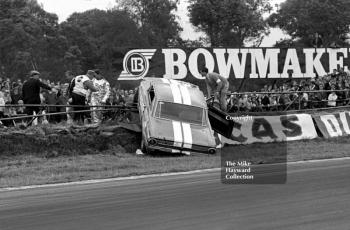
(35, 121)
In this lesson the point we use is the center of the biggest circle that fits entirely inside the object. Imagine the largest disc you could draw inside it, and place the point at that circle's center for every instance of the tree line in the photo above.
(31, 38)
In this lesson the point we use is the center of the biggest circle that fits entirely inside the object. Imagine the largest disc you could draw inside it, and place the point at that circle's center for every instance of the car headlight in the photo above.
(212, 151)
(152, 141)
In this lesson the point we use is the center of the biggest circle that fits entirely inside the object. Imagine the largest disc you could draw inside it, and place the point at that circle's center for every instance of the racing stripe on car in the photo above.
(186, 97)
(178, 138)
(185, 94)
(187, 134)
(175, 90)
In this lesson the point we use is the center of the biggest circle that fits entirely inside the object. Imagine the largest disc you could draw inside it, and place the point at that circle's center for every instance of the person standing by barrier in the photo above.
(2, 105)
(51, 99)
(15, 93)
(217, 84)
(99, 97)
(82, 84)
(68, 94)
(31, 92)
(332, 99)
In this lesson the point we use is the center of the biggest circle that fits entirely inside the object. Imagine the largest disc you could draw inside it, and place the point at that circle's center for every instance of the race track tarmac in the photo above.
(316, 196)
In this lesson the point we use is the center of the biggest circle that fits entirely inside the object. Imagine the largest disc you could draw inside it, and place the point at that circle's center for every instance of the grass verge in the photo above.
(27, 168)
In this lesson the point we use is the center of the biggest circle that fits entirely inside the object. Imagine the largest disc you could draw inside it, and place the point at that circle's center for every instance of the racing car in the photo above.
(174, 117)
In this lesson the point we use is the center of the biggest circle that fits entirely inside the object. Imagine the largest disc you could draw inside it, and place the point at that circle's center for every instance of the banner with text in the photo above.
(233, 63)
(333, 125)
(271, 128)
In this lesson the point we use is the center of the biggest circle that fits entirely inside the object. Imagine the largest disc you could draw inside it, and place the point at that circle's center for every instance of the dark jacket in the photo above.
(51, 99)
(15, 95)
(31, 91)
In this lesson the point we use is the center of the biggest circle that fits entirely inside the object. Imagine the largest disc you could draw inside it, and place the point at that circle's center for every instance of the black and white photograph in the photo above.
(174, 114)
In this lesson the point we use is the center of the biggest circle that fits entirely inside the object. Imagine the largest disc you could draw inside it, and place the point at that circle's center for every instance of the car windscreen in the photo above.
(180, 112)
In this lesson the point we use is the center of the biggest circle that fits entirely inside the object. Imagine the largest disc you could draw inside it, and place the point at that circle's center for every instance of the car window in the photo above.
(180, 112)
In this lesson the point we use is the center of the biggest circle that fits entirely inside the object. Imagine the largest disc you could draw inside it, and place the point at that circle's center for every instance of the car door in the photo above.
(219, 122)
(146, 104)
(143, 109)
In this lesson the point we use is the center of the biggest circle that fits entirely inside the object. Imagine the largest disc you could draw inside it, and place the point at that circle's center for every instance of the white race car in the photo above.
(174, 117)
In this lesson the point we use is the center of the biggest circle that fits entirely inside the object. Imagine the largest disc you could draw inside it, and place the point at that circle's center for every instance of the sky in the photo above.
(64, 8)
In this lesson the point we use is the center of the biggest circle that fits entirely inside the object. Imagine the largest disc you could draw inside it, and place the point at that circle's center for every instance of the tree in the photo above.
(314, 22)
(230, 22)
(29, 39)
(98, 39)
(156, 19)
(72, 60)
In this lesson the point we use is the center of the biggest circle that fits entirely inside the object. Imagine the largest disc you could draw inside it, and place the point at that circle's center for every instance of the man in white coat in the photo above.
(100, 97)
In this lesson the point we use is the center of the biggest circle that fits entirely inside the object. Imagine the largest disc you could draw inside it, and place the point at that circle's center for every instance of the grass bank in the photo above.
(37, 167)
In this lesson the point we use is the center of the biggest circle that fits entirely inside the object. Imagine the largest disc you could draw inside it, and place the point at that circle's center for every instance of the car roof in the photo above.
(178, 92)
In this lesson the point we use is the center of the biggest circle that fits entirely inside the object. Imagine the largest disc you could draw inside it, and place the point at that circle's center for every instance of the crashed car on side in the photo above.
(174, 117)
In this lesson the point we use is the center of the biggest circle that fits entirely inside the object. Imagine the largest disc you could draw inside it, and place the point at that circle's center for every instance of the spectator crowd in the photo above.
(330, 90)
(290, 95)
(54, 100)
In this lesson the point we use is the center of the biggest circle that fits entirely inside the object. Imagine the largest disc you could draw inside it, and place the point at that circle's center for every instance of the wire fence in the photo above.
(286, 101)
(296, 104)
(24, 116)
(114, 110)
(291, 92)
(125, 107)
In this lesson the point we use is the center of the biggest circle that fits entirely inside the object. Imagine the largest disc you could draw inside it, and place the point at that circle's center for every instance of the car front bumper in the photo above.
(173, 149)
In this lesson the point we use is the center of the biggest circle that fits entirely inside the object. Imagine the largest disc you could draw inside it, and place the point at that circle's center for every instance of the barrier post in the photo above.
(44, 121)
(35, 121)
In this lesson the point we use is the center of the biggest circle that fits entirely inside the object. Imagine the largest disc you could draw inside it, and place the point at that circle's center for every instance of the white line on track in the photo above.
(86, 182)
(319, 160)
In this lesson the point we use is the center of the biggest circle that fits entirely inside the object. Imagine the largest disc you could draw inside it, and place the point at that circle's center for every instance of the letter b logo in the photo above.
(137, 64)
